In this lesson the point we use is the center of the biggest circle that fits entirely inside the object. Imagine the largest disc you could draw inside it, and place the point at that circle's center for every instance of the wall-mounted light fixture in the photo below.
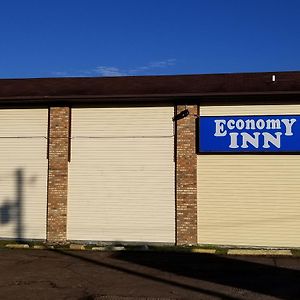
(181, 115)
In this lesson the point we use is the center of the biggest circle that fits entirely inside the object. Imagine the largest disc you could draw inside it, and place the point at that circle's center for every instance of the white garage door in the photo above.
(249, 200)
(121, 176)
(23, 173)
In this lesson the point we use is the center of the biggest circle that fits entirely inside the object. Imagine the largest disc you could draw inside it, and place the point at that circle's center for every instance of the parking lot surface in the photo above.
(58, 274)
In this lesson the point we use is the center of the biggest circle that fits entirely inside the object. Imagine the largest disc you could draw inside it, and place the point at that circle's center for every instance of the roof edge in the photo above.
(165, 86)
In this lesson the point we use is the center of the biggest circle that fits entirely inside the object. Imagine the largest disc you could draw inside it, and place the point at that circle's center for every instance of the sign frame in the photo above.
(244, 151)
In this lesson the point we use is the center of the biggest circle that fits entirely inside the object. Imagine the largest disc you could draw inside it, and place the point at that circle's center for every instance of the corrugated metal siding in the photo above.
(120, 122)
(259, 110)
(121, 179)
(23, 122)
(250, 200)
(23, 173)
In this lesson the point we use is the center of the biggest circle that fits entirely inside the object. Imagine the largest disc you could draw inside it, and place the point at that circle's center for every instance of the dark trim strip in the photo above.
(154, 87)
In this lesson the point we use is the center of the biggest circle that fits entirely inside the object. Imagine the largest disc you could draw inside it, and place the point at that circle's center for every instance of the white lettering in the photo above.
(240, 124)
(250, 124)
(233, 140)
(288, 125)
(269, 138)
(254, 139)
(248, 138)
(273, 124)
(220, 131)
(260, 124)
(230, 124)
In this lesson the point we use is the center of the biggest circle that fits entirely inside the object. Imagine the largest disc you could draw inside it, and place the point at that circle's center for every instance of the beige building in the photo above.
(121, 160)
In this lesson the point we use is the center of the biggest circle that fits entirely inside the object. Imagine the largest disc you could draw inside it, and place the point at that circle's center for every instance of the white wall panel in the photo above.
(249, 200)
(121, 179)
(23, 173)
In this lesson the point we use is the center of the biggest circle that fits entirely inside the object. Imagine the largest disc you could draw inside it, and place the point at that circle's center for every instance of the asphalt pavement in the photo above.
(60, 274)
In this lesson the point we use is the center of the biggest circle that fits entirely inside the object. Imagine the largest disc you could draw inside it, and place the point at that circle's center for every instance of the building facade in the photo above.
(185, 160)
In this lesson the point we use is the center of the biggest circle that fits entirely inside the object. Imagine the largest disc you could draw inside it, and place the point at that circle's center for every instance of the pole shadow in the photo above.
(11, 210)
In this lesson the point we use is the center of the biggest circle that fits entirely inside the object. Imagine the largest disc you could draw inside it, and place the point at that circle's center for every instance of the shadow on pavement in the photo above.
(241, 273)
(254, 276)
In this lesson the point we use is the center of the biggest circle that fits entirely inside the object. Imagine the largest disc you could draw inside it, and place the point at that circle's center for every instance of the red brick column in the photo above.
(58, 148)
(186, 177)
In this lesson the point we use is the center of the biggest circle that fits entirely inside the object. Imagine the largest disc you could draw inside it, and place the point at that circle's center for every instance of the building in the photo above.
(189, 159)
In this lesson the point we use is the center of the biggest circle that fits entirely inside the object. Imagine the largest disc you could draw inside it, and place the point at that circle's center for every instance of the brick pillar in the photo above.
(186, 177)
(58, 148)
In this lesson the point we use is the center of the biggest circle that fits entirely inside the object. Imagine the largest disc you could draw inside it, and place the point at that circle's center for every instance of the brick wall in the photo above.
(58, 174)
(186, 177)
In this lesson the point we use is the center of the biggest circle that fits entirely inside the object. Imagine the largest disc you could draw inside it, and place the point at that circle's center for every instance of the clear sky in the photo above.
(58, 38)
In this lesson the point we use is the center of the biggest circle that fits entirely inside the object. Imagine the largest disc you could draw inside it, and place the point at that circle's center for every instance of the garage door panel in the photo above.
(120, 122)
(249, 200)
(124, 183)
(121, 148)
(23, 122)
(23, 174)
(248, 204)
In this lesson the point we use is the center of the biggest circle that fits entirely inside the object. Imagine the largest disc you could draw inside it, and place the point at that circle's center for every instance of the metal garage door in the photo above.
(249, 199)
(23, 173)
(121, 176)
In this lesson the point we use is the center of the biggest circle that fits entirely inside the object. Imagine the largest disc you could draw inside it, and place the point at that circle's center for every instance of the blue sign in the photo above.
(249, 134)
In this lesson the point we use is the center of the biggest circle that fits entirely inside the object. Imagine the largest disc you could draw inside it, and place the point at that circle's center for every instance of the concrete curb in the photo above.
(99, 249)
(17, 246)
(77, 247)
(118, 248)
(265, 252)
(146, 248)
(202, 250)
(39, 247)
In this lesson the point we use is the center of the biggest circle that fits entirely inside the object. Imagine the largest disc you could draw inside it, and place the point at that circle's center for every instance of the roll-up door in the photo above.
(249, 199)
(23, 173)
(121, 175)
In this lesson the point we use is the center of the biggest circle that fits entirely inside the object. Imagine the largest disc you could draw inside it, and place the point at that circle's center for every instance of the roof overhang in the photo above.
(154, 88)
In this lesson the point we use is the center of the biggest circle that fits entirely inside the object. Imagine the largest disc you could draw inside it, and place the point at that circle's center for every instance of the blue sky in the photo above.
(147, 37)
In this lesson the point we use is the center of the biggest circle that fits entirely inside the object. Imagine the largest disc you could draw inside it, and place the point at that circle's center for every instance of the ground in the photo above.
(57, 274)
